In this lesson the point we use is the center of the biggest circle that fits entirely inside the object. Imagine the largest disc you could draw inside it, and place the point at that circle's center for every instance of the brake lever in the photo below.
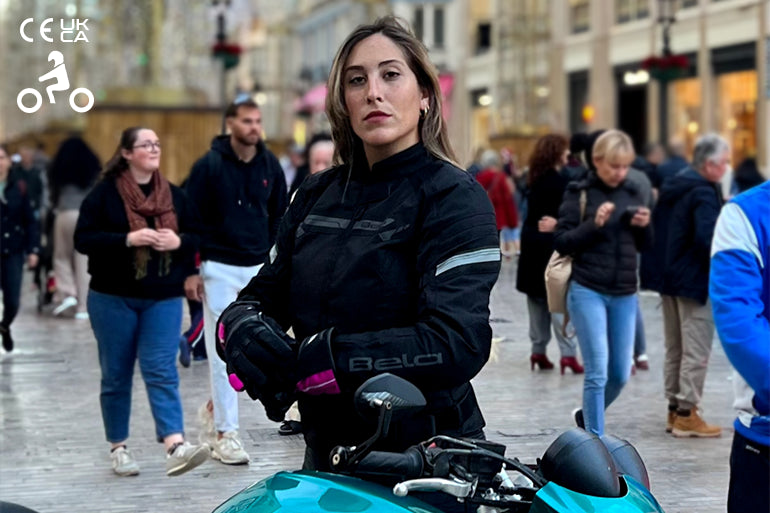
(456, 488)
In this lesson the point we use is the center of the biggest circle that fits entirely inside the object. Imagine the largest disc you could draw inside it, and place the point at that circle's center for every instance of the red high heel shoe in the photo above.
(540, 360)
(572, 363)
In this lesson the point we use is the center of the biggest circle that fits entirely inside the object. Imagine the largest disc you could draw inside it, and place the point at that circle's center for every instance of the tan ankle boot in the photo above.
(670, 420)
(693, 425)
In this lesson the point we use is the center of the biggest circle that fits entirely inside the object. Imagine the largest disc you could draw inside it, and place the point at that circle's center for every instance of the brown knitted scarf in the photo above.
(139, 207)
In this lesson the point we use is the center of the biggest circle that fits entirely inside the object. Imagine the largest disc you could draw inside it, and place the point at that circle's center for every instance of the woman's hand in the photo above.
(547, 224)
(142, 237)
(603, 213)
(167, 240)
(641, 218)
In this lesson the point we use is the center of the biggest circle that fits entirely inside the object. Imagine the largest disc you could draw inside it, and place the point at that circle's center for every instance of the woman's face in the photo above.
(564, 159)
(612, 172)
(5, 164)
(145, 154)
(382, 97)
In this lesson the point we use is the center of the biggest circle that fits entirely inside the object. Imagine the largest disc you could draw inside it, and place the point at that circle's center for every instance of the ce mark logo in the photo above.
(73, 33)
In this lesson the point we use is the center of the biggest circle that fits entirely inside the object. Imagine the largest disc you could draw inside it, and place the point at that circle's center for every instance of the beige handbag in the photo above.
(558, 272)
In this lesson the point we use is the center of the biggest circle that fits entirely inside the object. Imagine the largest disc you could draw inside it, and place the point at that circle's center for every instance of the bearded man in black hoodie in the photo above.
(240, 191)
(684, 221)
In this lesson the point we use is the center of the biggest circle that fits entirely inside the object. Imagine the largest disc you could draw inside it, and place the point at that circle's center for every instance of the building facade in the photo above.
(598, 79)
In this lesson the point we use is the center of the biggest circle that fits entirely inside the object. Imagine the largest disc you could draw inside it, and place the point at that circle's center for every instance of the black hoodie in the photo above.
(240, 203)
(684, 220)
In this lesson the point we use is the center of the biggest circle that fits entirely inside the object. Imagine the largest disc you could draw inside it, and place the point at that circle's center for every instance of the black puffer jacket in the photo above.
(605, 259)
(400, 260)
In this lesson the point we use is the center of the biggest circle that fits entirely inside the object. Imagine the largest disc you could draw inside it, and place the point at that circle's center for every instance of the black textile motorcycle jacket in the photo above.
(400, 261)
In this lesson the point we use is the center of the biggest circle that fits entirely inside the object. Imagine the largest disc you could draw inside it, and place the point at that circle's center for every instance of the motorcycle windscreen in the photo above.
(553, 498)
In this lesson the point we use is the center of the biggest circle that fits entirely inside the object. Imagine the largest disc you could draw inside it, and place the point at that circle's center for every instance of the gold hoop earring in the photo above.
(424, 112)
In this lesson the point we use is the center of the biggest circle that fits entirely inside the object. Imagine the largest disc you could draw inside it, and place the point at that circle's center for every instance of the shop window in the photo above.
(580, 15)
(438, 27)
(419, 22)
(685, 111)
(737, 112)
(630, 10)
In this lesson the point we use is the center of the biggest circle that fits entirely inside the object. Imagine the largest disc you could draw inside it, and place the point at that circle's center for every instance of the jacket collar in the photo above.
(403, 163)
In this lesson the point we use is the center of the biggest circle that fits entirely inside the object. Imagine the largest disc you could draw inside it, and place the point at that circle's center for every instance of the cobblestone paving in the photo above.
(53, 456)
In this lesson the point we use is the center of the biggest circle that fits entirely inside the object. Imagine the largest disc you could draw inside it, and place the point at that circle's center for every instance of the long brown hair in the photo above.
(546, 155)
(432, 129)
(117, 163)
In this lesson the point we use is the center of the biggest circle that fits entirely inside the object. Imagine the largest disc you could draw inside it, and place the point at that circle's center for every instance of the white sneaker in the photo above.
(208, 434)
(229, 449)
(81, 316)
(65, 306)
(123, 462)
(186, 457)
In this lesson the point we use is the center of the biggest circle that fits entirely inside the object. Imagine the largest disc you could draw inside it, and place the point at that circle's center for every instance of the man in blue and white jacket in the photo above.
(740, 294)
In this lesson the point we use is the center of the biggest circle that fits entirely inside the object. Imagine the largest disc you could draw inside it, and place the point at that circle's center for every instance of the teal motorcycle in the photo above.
(579, 473)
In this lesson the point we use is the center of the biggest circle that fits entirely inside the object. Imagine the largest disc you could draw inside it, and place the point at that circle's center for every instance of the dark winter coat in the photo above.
(605, 259)
(101, 233)
(545, 197)
(667, 169)
(400, 261)
(240, 203)
(684, 220)
(19, 227)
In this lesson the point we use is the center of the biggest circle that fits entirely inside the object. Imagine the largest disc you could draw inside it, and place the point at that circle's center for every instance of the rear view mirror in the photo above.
(404, 397)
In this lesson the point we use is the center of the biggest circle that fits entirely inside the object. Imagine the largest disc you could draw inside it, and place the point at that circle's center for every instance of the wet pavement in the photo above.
(53, 457)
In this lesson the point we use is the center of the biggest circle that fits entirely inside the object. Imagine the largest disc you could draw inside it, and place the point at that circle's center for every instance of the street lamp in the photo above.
(666, 18)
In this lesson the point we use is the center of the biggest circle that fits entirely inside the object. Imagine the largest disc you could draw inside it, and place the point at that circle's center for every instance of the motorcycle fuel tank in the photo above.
(317, 492)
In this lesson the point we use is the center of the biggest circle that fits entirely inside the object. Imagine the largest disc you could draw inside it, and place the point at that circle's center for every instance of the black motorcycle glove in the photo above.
(315, 365)
(260, 357)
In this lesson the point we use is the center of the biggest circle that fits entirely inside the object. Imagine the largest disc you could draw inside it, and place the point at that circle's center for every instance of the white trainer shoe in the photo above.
(123, 462)
(186, 457)
(229, 449)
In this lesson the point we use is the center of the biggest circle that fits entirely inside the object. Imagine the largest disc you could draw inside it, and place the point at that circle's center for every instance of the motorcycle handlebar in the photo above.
(403, 465)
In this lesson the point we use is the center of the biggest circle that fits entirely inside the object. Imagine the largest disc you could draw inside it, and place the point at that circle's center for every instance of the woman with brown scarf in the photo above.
(138, 232)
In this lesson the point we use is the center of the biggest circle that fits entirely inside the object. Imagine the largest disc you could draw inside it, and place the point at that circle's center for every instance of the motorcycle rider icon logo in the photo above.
(58, 73)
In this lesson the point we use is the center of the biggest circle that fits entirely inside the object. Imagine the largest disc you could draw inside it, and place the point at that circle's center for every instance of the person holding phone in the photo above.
(604, 244)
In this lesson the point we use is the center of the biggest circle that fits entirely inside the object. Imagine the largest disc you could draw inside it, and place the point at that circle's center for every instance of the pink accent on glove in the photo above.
(221, 333)
(321, 383)
(236, 383)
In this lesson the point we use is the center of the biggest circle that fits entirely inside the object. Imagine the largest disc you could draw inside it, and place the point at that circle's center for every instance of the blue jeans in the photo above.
(127, 328)
(605, 326)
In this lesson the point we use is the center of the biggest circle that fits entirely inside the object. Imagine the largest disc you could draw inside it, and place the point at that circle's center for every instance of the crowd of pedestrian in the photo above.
(277, 260)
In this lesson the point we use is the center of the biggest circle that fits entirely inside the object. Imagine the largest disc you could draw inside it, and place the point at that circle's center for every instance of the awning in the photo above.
(314, 100)
(446, 82)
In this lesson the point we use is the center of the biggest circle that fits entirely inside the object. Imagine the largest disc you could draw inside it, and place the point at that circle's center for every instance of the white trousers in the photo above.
(221, 285)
